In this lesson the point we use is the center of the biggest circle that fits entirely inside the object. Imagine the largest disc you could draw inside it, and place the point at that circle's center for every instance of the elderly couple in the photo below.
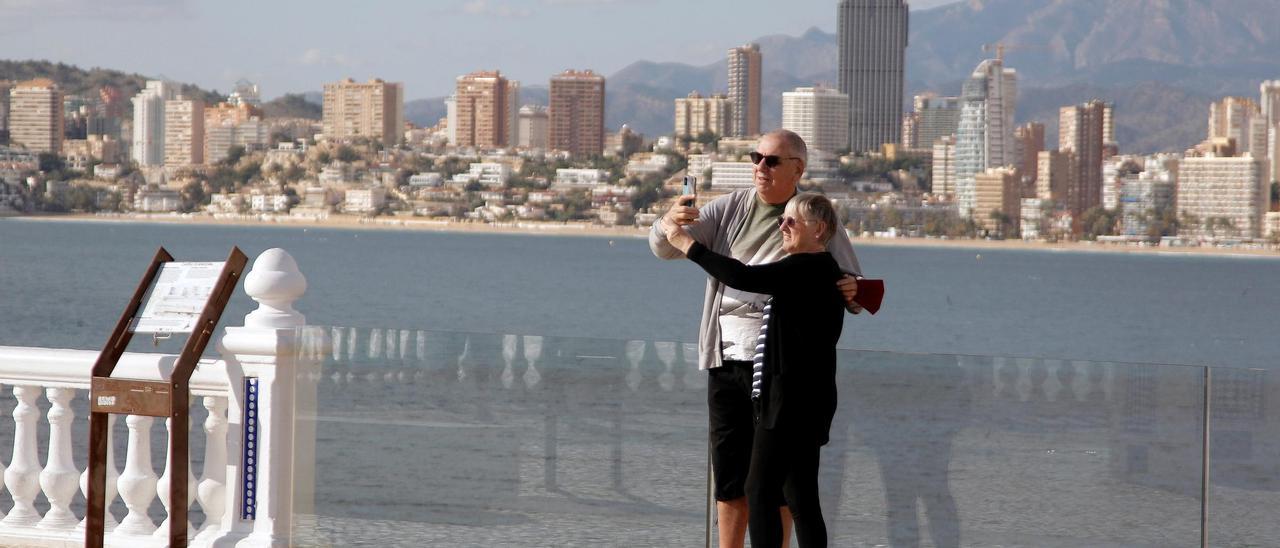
(782, 274)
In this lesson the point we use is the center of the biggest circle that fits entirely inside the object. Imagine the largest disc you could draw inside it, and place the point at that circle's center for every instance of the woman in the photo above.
(794, 387)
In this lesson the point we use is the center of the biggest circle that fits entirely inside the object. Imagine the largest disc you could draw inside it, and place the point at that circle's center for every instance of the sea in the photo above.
(64, 284)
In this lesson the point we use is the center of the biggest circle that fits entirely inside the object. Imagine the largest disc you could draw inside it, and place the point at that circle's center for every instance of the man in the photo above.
(743, 225)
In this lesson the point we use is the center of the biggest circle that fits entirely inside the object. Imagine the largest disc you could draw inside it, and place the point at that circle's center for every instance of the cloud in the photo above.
(485, 9)
(316, 57)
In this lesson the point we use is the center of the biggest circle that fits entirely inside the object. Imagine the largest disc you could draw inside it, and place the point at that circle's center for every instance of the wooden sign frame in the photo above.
(166, 398)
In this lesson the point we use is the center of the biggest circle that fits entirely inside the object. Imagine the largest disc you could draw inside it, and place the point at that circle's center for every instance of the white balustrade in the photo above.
(165, 483)
(113, 475)
(137, 484)
(58, 479)
(212, 489)
(266, 349)
(22, 475)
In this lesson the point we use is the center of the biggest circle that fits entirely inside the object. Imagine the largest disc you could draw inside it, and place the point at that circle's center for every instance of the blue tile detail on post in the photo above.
(250, 457)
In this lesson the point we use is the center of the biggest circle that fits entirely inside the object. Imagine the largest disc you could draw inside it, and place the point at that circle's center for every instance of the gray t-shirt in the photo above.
(758, 242)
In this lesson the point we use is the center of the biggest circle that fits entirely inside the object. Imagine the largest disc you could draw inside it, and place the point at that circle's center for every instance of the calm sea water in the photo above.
(63, 284)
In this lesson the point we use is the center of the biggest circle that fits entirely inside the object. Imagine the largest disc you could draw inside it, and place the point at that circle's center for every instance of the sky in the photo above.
(288, 46)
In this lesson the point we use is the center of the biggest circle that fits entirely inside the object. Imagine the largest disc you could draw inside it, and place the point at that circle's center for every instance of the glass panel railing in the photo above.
(1245, 457)
(484, 439)
(517, 440)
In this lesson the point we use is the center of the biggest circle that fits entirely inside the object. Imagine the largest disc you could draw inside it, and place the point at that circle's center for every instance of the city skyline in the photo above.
(213, 48)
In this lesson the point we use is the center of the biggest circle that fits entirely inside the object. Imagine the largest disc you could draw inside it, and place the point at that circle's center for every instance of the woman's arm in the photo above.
(772, 278)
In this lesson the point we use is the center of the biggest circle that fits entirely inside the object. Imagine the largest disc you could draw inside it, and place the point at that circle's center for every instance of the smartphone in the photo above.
(690, 189)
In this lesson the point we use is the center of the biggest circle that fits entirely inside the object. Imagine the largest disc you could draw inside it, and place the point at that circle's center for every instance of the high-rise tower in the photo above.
(873, 50)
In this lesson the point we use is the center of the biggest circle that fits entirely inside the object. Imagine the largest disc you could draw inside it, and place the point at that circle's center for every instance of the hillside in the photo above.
(77, 81)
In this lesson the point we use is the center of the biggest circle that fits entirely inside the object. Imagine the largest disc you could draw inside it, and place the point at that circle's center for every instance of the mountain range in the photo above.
(1160, 61)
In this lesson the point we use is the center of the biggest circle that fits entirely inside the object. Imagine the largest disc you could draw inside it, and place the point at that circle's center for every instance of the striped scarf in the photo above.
(757, 364)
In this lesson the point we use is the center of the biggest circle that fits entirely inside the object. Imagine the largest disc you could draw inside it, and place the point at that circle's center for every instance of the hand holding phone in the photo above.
(689, 193)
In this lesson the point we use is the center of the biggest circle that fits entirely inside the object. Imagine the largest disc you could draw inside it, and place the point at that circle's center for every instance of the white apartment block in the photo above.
(490, 173)
(365, 200)
(699, 164)
(581, 177)
(732, 175)
(1226, 195)
(819, 115)
(156, 201)
(984, 138)
(646, 163)
(148, 122)
(272, 202)
(430, 179)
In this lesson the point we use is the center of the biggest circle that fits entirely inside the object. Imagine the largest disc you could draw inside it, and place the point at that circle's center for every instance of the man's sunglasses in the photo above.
(770, 161)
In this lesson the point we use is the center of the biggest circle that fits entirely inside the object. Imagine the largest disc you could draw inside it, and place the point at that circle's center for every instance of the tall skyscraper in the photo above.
(984, 138)
(148, 122)
(35, 115)
(873, 49)
(183, 132)
(481, 103)
(818, 115)
(1270, 104)
(374, 109)
(745, 65)
(1082, 131)
(576, 113)
(696, 115)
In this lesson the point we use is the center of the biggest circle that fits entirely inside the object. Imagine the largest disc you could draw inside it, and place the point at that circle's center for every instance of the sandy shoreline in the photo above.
(585, 229)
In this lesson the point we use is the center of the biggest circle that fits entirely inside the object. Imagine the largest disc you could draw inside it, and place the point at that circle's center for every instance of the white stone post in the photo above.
(212, 490)
(264, 354)
(113, 475)
(58, 479)
(22, 476)
(164, 483)
(137, 485)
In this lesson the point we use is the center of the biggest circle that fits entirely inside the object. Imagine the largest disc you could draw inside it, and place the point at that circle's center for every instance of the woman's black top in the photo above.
(799, 391)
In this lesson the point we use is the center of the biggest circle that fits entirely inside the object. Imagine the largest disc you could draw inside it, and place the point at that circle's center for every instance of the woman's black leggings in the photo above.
(784, 470)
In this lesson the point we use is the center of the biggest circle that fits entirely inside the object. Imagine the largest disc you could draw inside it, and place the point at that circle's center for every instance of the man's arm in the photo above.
(703, 229)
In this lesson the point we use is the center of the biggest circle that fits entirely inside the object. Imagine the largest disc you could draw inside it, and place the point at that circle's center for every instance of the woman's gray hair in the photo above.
(816, 207)
(795, 143)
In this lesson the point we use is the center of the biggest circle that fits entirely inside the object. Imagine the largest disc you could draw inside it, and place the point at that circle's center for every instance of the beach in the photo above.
(595, 230)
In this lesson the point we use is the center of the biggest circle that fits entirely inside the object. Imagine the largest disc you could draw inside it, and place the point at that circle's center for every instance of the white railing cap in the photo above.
(61, 367)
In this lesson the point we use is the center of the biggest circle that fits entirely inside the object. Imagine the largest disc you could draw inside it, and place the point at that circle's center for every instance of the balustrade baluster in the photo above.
(113, 475)
(3, 469)
(162, 484)
(22, 475)
(137, 485)
(58, 479)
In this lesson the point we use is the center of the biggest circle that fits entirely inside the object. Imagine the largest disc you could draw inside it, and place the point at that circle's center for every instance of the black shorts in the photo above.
(732, 427)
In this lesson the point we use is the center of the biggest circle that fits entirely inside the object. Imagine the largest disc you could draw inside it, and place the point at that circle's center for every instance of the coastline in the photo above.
(352, 222)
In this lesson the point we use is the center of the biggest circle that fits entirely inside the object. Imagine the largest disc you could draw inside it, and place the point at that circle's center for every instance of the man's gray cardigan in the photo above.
(719, 223)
